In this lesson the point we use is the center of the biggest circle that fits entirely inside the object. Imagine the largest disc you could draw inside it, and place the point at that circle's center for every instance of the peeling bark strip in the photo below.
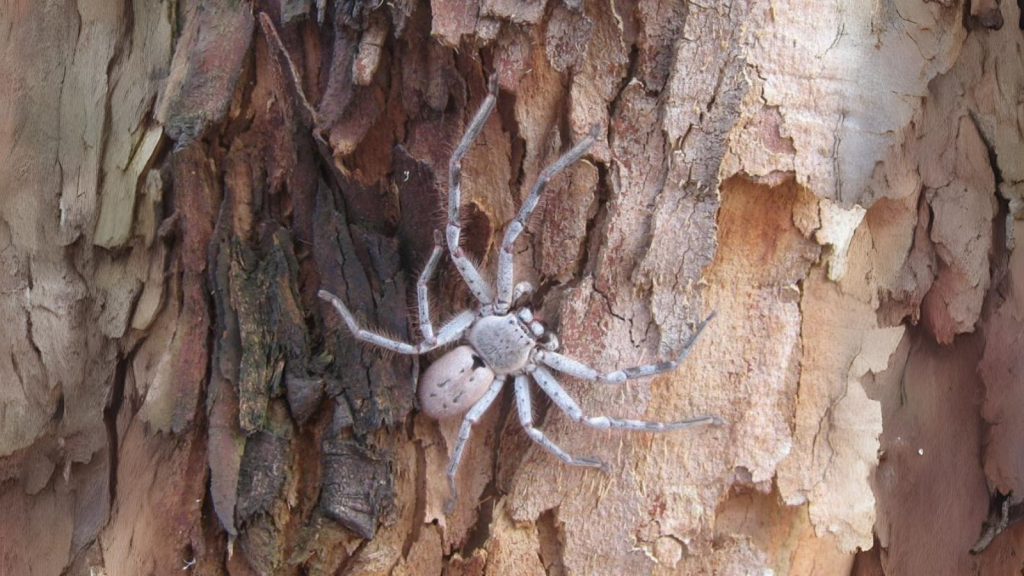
(841, 182)
(273, 337)
(209, 55)
(197, 196)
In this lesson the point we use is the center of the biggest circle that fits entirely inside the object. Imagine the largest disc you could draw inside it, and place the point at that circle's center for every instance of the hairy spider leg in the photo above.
(480, 289)
(505, 295)
(566, 404)
(471, 418)
(422, 296)
(448, 333)
(525, 408)
(580, 370)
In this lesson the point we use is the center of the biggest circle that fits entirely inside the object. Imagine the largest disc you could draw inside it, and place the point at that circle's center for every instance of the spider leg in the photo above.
(453, 329)
(469, 273)
(525, 409)
(422, 298)
(471, 418)
(505, 264)
(580, 370)
(564, 402)
(447, 334)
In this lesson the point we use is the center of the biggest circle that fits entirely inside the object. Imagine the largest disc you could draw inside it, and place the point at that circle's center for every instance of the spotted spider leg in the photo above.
(448, 333)
(566, 404)
(580, 370)
(471, 418)
(524, 406)
(422, 295)
(480, 289)
(505, 295)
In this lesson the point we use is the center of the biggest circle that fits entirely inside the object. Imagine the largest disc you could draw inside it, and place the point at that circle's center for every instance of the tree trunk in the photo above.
(843, 183)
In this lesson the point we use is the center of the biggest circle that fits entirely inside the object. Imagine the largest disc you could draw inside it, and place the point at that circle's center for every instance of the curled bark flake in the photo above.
(263, 470)
(356, 486)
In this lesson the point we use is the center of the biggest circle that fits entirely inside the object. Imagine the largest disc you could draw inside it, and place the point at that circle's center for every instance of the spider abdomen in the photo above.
(453, 383)
(502, 342)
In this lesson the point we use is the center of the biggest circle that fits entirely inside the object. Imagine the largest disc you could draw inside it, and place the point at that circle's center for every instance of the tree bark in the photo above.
(842, 183)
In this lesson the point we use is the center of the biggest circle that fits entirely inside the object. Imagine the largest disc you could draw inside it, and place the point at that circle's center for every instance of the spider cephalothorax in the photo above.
(502, 341)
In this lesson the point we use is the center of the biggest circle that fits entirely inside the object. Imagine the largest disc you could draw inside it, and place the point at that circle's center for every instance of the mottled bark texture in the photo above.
(843, 182)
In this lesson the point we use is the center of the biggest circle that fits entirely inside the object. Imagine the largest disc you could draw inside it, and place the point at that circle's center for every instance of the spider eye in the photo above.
(478, 362)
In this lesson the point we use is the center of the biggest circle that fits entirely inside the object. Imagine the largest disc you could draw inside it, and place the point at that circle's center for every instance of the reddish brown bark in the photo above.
(178, 180)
